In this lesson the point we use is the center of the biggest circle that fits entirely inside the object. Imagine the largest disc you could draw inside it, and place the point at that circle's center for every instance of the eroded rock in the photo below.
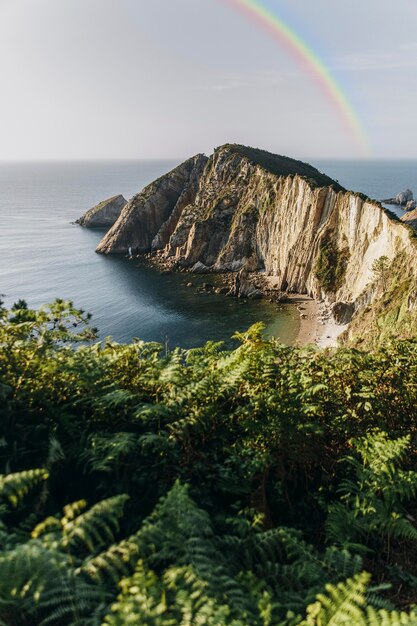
(244, 209)
(158, 206)
(199, 268)
(343, 311)
(401, 198)
(410, 218)
(103, 214)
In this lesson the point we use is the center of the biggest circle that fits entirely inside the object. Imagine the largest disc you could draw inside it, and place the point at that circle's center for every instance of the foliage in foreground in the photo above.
(267, 485)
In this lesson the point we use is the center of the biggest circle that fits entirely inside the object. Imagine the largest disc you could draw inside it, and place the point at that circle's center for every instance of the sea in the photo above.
(44, 255)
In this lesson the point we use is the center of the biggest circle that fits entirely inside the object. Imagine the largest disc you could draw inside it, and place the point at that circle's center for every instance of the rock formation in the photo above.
(244, 210)
(103, 214)
(151, 216)
(410, 218)
(343, 312)
(401, 199)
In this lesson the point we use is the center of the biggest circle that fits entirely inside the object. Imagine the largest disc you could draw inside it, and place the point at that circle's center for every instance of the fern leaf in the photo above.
(95, 527)
(14, 487)
(119, 560)
(342, 605)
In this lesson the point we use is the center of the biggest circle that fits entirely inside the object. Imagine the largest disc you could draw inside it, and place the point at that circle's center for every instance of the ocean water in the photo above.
(378, 179)
(43, 255)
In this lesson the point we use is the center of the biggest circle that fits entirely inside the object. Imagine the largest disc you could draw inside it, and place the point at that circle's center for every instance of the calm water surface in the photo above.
(44, 256)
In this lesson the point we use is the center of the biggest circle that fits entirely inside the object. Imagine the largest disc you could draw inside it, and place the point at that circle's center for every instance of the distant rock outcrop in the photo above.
(401, 199)
(103, 214)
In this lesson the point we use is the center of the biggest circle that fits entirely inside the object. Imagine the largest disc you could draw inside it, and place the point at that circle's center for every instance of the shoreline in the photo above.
(310, 330)
(317, 327)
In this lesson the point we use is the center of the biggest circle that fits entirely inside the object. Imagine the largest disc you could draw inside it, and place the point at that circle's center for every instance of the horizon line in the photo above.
(109, 159)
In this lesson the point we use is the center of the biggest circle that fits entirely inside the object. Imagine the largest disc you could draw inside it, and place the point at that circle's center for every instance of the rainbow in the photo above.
(271, 21)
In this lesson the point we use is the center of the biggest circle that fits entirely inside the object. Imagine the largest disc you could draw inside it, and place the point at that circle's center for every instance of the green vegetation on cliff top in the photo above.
(282, 165)
(268, 485)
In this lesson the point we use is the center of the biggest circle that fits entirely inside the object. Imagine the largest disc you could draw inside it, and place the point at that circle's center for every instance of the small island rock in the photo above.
(401, 198)
(103, 214)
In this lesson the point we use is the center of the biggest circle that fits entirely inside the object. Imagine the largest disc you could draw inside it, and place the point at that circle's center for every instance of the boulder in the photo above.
(243, 287)
(199, 268)
(342, 312)
(411, 205)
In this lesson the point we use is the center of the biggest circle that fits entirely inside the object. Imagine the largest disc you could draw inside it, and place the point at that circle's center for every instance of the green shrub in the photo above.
(252, 486)
(331, 265)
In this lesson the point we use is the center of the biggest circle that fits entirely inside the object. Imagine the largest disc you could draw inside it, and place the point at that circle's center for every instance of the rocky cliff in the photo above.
(410, 218)
(103, 214)
(151, 216)
(247, 209)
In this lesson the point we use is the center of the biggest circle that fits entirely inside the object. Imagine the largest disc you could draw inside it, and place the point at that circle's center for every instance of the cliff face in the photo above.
(153, 213)
(103, 214)
(410, 218)
(324, 242)
(244, 208)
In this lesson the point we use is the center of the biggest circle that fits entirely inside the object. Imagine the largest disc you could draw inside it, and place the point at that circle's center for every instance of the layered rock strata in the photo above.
(103, 214)
(247, 209)
(410, 218)
(150, 218)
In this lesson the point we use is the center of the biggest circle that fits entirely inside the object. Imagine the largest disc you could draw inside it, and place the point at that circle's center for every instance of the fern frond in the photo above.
(72, 510)
(26, 573)
(14, 487)
(371, 503)
(48, 525)
(342, 563)
(342, 605)
(72, 602)
(347, 605)
(119, 560)
(95, 527)
(389, 618)
(106, 451)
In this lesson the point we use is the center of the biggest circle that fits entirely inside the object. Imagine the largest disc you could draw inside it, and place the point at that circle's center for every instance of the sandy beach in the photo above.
(316, 323)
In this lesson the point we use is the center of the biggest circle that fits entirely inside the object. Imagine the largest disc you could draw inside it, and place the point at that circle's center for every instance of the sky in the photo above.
(127, 79)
